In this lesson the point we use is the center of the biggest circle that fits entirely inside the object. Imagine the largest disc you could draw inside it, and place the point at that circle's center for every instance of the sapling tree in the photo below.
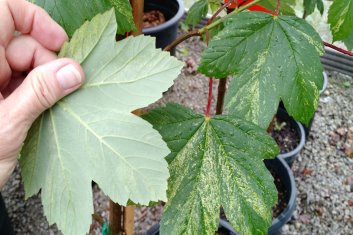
(197, 163)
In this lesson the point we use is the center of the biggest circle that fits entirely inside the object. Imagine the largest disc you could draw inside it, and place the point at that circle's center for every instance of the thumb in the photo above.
(43, 87)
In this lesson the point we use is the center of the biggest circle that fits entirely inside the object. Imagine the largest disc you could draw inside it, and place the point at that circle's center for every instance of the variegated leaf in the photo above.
(215, 162)
(271, 59)
(340, 17)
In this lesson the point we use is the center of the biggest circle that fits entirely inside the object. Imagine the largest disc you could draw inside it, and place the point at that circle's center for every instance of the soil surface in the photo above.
(285, 135)
(153, 18)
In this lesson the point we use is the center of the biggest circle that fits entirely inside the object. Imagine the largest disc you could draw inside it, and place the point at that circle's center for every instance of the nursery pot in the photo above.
(290, 156)
(165, 33)
(325, 84)
(5, 224)
(224, 228)
(284, 173)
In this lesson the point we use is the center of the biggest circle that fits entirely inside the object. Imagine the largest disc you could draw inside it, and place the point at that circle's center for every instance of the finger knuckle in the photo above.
(42, 90)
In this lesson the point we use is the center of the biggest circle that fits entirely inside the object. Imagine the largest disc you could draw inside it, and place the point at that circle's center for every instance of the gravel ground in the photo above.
(323, 169)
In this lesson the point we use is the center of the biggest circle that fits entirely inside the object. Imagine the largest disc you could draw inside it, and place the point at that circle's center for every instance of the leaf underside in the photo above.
(340, 18)
(71, 14)
(271, 59)
(215, 162)
(92, 135)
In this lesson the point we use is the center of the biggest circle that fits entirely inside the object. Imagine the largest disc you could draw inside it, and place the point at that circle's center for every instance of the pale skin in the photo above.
(32, 78)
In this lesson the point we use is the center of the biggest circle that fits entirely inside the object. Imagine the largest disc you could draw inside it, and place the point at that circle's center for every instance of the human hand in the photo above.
(32, 79)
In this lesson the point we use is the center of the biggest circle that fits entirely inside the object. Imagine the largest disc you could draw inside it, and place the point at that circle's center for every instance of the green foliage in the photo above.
(213, 31)
(123, 13)
(310, 5)
(272, 58)
(198, 10)
(92, 135)
(349, 42)
(340, 17)
(71, 14)
(215, 162)
(286, 7)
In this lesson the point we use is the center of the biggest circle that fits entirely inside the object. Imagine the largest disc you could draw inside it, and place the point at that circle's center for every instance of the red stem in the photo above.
(210, 83)
(209, 101)
(218, 12)
(278, 7)
(338, 49)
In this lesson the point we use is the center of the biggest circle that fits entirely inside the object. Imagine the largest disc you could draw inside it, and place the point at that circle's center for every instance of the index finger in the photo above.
(27, 18)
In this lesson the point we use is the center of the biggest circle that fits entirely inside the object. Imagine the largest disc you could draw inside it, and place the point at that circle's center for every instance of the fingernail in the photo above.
(68, 77)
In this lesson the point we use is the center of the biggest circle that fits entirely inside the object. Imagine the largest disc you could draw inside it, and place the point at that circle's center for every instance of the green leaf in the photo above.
(198, 10)
(286, 7)
(123, 13)
(71, 14)
(92, 134)
(213, 31)
(340, 18)
(349, 42)
(215, 162)
(272, 58)
(309, 6)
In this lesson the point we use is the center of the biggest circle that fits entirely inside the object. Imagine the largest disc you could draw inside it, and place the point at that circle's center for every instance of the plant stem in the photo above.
(218, 12)
(278, 7)
(209, 101)
(272, 124)
(98, 218)
(137, 11)
(207, 27)
(181, 39)
(338, 49)
(222, 88)
(129, 220)
(237, 10)
(115, 218)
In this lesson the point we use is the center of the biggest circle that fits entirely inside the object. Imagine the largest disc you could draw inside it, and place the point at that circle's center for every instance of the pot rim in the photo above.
(292, 203)
(324, 85)
(301, 144)
(168, 23)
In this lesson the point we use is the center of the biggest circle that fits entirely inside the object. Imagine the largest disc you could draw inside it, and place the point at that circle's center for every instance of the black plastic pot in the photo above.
(290, 156)
(165, 33)
(5, 224)
(324, 86)
(224, 227)
(284, 172)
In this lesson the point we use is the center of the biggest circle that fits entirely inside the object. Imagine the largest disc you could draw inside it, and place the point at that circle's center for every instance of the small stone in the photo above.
(326, 92)
(341, 131)
(297, 225)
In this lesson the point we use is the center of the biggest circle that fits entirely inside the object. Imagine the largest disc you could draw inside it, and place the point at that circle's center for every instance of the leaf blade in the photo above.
(340, 18)
(66, 14)
(91, 134)
(206, 154)
(268, 56)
